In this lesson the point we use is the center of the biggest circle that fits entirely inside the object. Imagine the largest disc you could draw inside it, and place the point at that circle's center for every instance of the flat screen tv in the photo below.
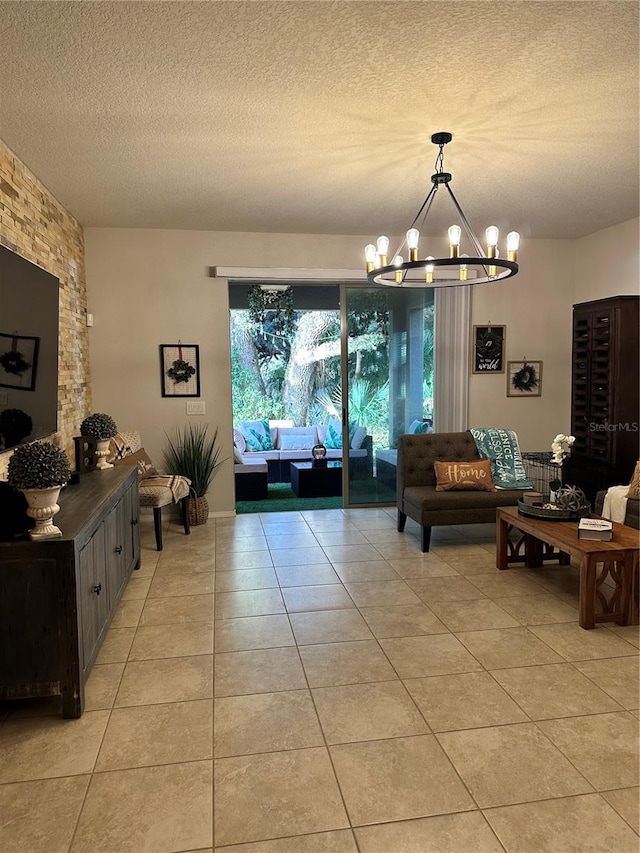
(28, 351)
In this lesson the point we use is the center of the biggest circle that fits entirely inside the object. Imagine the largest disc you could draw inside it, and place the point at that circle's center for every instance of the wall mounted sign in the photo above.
(524, 378)
(18, 361)
(488, 349)
(180, 366)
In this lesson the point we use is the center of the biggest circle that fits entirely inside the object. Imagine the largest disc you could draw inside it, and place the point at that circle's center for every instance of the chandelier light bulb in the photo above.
(513, 242)
(463, 269)
(413, 236)
(492, 234)
(455, 232)
(383, 248)
(397, 262)
(429, 270)
(370, 256)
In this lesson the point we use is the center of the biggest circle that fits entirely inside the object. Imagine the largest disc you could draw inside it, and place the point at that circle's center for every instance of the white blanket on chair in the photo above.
(615, 504)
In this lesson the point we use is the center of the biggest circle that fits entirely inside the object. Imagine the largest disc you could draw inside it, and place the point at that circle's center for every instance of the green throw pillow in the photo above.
(257, 435)
(333, 439)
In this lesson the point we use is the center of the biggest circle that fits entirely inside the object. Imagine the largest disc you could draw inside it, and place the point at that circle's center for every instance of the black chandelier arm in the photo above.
(376, 276)
(470, 232)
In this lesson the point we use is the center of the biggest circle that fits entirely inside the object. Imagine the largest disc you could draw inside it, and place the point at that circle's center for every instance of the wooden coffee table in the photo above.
(558, 540)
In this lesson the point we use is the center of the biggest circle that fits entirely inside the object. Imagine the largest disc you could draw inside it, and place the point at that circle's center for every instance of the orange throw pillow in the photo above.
(464, 476)
(634, 485)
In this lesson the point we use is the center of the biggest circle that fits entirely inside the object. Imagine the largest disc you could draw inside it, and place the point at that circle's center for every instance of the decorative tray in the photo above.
(554, 514)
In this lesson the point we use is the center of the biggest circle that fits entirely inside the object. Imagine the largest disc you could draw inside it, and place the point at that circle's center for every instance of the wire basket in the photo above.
(541, 470)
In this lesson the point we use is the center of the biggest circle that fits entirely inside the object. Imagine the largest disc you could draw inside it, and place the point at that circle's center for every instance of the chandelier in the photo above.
(478, 268)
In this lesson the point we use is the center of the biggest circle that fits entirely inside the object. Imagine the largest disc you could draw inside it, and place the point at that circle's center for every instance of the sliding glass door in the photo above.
(387, 373)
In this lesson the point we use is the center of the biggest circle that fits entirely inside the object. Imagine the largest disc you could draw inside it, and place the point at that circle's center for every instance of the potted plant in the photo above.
(39, 470)
(102, 428)
(194, 454)
(14, 426)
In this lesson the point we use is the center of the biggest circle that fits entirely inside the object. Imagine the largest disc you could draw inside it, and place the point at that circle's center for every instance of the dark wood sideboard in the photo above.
(58, 596)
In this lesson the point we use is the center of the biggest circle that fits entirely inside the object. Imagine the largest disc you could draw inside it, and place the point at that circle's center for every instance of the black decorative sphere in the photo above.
(570, 497)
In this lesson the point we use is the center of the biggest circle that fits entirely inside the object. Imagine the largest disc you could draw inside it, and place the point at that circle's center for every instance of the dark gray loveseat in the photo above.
(416, 481)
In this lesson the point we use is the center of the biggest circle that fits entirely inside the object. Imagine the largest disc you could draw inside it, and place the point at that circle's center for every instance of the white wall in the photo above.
(147, 287)
(608, 263)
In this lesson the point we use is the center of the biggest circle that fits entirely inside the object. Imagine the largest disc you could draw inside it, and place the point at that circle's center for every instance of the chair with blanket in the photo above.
(155, 488)
(621, 503)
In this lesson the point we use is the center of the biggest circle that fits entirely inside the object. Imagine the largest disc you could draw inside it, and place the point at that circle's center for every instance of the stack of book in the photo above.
(595, 528)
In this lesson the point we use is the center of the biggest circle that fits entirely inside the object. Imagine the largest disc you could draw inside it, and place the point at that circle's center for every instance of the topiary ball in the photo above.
(99, 426)
(40, 465)
(570, 497)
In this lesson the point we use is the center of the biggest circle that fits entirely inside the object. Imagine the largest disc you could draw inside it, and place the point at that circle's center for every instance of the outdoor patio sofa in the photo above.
(417, 497)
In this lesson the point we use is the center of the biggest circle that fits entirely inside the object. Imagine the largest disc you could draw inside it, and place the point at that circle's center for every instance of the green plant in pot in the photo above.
(193, 453)
(14, 426)
(101, 428)
(39, 470)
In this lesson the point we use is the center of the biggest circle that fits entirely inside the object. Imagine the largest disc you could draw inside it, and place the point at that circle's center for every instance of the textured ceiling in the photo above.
(315, 117)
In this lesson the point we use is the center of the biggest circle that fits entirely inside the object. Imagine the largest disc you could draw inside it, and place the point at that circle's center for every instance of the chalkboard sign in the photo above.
(488, 349)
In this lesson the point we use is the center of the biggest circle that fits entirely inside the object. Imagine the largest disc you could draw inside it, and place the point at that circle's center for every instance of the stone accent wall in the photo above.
(34, 225)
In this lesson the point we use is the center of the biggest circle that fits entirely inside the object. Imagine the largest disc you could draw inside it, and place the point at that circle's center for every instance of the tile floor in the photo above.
(312, 683)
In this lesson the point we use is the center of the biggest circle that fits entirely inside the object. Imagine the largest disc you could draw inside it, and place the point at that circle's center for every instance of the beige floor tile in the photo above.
(619, 677)
(173, 611)
(630, 633)
(265, 722)
(586, 824)
(465, 701)
(249, 602)
(376, 570)
(40, 816)
(337, 841)
(243, 560)
(116, 645)
(554, 690)
(360, 712)
(444, 589)
(127, 613)
(463, 832)
(470, 564)
(241, 544)
(503, 647)
(44, 747)
(325, 597)
(299, 556)
(604, 747)
(476, 615)
(511, 764)
(558, 579)
(383, 536)
(252, 632)
(157, 734)
(258, 671)
(538, 609)
(246, 579)
(160, 809)
(434, 654)
(285, 525)
(405, 620)
(329, 626)
(385, 780)
(407, 549)
(456, 548)
(290, 540)
(574, 643)
(626, 801)
(102, 686)
(331, 664)
(427, 566)
(168, 586)
(351, 553)
(137, 588)
(348, 536)
(175, 641)
(506, 584)
(280, 793)
(153, 682)
(382, 593)
(306, 575)
(185, 562)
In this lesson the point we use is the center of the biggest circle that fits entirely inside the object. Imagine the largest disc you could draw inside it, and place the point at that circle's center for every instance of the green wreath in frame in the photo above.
(525, 379)
(180, 371)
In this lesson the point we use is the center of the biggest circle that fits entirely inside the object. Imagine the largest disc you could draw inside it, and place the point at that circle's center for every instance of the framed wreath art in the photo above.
(180, 370)
(488, 349)
(18, 361)
(524, 378)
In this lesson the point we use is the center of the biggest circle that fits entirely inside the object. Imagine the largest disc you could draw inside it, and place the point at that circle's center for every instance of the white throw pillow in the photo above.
(238, 440)
(296, 442)
(237, 456)
(358, 437)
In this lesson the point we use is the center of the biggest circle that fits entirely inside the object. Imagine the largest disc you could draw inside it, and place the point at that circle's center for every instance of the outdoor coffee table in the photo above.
(558, 540)
(310, 482)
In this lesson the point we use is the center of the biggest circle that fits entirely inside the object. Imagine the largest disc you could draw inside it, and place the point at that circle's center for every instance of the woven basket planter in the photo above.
(198, 511)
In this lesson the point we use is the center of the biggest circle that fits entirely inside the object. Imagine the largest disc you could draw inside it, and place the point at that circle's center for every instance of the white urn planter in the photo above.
(43, 505)
(102, 451)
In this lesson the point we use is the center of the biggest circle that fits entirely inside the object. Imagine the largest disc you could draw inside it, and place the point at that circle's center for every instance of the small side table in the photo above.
(310, 482)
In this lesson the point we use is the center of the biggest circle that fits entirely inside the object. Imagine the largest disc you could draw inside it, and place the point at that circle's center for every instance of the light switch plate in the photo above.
(195, 407)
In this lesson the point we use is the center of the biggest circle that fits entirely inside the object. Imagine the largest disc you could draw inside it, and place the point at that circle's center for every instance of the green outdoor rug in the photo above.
(282, 499)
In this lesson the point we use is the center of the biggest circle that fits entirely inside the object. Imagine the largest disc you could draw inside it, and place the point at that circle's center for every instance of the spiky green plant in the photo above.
(193, 454)
(98, 426)
(39, 465)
